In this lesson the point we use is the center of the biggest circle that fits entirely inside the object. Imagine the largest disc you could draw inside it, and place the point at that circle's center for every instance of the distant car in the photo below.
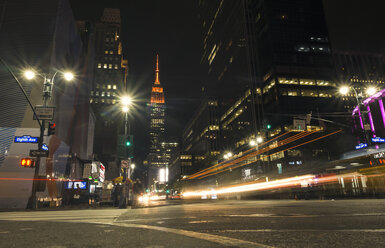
(176, 196)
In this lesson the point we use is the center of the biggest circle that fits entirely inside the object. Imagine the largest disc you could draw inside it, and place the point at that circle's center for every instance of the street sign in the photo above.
(38, 153)
(26, 139)
(378, 139)
(44, 113)
(299, 124)
(124, 164)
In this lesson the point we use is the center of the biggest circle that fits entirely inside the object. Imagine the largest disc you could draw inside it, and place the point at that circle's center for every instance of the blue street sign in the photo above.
(378, 139)
(44, 147)
(26, 139)
(362, 145)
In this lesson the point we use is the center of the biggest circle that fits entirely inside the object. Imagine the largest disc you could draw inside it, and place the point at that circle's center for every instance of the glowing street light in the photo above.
(29, 74)
(125, 109)
(126, 101)
(344, 90)
(68, 76)
(255, 142)
(371, 91)
(132, 166)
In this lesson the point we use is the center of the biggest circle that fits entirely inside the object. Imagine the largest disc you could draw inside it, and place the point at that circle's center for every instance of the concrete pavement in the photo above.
(281, 223)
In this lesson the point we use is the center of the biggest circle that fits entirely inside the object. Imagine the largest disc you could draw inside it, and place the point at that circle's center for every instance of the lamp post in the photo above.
(369, 91)
(126, 103)
(47, 94)
(255, 143)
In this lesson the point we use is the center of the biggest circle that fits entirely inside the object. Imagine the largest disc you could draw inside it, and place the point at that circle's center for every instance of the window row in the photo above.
(103, 94)
(109, 66)
(302, 81)
(107, 101)
(308, 93)
(106, 86)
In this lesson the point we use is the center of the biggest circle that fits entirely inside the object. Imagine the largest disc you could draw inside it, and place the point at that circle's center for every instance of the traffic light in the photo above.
(51, 128)
(268, 126)
(128, 141)
(129, 146)
(27, 162)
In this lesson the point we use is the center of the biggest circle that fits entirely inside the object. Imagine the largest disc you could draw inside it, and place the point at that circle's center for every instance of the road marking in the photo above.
(200, 221)
(5, 232)
(226, 241)
(301, 215)
(25, 229)
(107, 231)
(303, 230)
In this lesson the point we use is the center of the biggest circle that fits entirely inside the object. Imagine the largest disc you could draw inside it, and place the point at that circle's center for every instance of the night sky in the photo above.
(170, 28)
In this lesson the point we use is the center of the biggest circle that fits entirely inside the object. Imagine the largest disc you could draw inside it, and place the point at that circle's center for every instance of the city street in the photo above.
(276, 223)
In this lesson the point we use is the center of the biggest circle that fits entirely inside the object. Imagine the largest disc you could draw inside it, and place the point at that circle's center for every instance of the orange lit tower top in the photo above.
(157, 95)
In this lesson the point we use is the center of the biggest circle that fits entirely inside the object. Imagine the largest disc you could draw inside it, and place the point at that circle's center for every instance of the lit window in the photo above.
(292, 93)
(97, 93)
(105, 66)
(109, 86)
(91, 100)
(103, 93)
(110, 66)
(111, 52)
(92, 92)
(114, 86)
(99, 65)
(108, 94)
(106, 52)
(116, 66)
(306, 82)
(113, 101)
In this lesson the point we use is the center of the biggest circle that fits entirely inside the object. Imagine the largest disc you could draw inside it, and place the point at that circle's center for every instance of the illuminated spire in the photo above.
(157, 71)
(157, 95)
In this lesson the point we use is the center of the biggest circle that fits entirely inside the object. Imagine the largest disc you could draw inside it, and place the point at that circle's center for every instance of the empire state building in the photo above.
(157, 117)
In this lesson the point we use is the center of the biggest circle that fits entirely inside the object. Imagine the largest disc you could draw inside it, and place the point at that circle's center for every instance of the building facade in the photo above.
(43, 35)
(109, 83)
(201, 139)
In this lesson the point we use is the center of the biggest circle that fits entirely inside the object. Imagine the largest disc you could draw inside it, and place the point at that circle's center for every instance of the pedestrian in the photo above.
(77, 194)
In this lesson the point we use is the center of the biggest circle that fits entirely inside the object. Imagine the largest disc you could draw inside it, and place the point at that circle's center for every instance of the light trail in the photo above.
(263, 151)
(302, 181)
(227, 161)
(244, 157)
(287, 182)
(36, 179)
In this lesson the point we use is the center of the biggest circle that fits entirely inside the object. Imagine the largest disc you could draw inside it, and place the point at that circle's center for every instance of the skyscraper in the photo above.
(109, 81)
(157, 121)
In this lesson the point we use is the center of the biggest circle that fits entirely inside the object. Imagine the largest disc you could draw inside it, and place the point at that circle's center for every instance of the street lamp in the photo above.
(47, 93)
(369, 91)
(126, 102)
(255, 142)
(227, 155)
(29, 74)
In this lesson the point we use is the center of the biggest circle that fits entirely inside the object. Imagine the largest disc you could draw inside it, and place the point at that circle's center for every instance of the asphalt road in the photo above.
(279, 223)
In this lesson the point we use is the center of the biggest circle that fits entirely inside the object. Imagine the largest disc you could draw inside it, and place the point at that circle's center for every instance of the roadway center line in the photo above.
(222, 240)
